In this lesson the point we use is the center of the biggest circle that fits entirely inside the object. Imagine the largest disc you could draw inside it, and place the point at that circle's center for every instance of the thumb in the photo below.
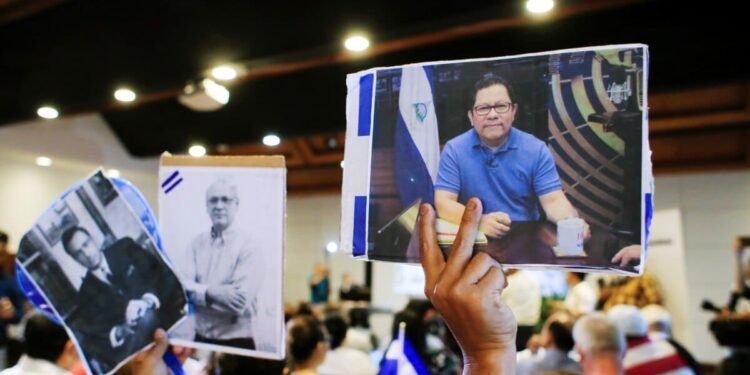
(161, 344)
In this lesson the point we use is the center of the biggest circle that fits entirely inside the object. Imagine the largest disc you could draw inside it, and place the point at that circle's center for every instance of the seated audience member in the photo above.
(230, 364)
(582, 297)
(600, 344)
(437, 359)
(738, 306)
(646, 356)
(359, 336)
(47, 349)
(660, 328)
(556, 343)
(306, 345)
(342, 360)
(524, 296)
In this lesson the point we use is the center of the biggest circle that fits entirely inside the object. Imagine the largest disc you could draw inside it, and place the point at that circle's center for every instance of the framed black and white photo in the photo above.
(222, 224)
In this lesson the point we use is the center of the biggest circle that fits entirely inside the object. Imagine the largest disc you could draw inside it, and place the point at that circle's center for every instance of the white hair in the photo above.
(597, 334)
(629, 320)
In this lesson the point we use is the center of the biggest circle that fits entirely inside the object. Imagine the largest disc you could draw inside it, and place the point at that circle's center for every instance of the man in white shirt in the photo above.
(48, 350)
(222, 273)
(582, 297)
(524, 297)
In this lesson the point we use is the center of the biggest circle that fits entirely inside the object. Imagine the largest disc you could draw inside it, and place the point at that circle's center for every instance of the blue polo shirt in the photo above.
(509, 180)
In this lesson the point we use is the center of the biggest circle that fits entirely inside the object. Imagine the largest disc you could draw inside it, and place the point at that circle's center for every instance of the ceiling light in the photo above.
(271, 140)
(539, 6)
(112, 173)
(125, 95)
(356, 43)
(342, 164)
(43, 161)
(204, 96)
(47, 112)
(197, 151)
(224, 73)
(332, 247)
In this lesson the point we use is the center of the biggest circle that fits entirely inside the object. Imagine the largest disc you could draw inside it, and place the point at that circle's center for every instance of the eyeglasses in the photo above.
(225, 200)
(484, 110)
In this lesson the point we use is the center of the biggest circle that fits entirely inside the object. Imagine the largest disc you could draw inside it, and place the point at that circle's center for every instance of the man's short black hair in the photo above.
(562, 335)
(3, 237)
(304, 335)
(43, 338)
(68, 235)
(579, 275)
(487, 80)
(336, 327)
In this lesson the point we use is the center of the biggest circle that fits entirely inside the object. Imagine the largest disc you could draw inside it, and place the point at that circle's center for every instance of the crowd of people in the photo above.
(478, 318)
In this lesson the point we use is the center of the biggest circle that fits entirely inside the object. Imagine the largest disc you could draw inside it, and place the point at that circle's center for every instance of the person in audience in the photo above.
(359, 336)
(738, 306)
(599, 344)
(230, 364)
(306, 345)
(341, 360)
(48, 350)
(320, 287)
(524, 296)
(11, 301)
(556, 342)
(660, 328)
(582, 297)
(643, 355)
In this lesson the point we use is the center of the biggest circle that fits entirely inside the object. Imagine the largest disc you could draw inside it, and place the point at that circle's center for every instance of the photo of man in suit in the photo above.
(125, 295)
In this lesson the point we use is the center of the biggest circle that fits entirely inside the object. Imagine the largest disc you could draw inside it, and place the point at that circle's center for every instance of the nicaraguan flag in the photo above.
(416, 150)
(401, 358)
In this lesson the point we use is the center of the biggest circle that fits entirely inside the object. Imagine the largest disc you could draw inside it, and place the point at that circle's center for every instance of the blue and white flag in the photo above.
(416, 149)
(401, 358)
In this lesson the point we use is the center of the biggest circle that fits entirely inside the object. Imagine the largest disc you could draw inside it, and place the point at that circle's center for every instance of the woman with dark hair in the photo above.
(306, 345)
(342, 360)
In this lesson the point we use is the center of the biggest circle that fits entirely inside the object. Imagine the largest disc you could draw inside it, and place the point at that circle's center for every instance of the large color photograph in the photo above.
(552, 144)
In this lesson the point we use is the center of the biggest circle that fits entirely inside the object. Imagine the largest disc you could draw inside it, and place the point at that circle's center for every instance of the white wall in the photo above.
(715, 209)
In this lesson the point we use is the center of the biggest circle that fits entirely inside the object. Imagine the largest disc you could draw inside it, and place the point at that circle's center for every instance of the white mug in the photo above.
(570, 236)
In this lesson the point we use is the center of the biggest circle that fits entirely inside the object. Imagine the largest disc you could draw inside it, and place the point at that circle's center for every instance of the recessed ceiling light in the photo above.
(356, 43)
(197, 151)
(271, 140)
(43, 161)
(332, 247)
(224, 73)
(47, 112)
(125, 95)
(112, 173)
(539, 6)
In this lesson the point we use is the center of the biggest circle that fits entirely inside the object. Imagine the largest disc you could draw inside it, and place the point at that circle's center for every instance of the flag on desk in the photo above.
(416, 149)
(401, 358)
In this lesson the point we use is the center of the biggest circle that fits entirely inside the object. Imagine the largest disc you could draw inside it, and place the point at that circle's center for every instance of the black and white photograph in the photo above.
(551, 143)
(101, 272)
(222, 222)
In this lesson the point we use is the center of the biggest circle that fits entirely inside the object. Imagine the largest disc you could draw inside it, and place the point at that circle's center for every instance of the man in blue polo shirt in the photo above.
(510, 171)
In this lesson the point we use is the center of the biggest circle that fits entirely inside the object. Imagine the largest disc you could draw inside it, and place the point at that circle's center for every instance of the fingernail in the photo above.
(424, 209)
(471, 204)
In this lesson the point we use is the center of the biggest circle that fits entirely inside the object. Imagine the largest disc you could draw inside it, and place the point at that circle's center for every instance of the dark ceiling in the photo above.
(73, 54)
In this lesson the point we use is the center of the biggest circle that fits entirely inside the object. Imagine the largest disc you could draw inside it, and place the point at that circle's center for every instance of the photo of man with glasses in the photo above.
(221, 273)
(510, 171)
